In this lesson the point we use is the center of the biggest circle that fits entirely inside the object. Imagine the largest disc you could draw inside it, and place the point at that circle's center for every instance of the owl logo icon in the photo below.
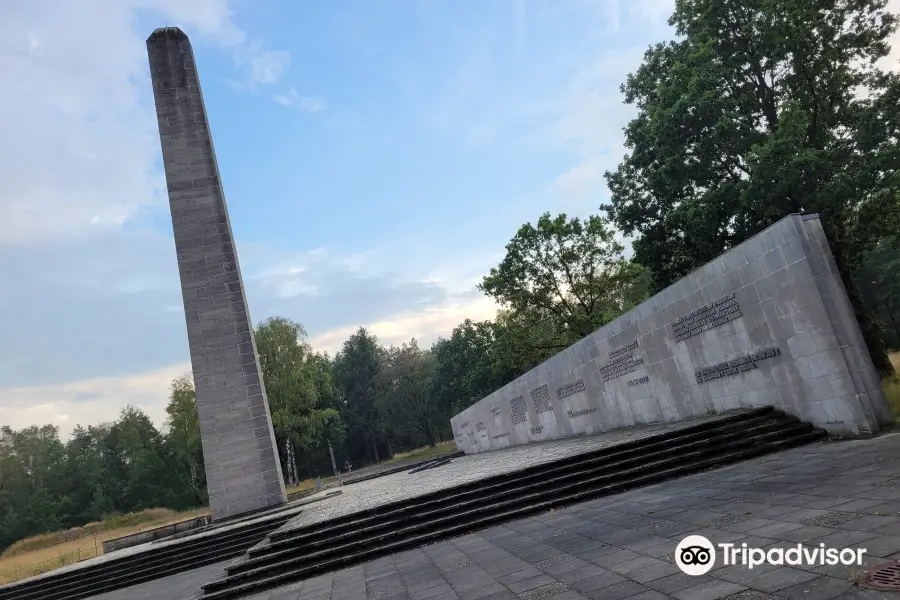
(695, 555)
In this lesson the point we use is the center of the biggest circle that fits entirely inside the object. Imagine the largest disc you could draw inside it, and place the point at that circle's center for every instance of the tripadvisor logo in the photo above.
(696, 555)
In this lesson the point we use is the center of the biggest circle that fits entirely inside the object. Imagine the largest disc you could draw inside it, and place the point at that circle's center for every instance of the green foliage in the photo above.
(566, 275)
(47, 485)
(759, 110)
(183, 429)
(357, 368)
(406, 404)
(293, 382)
(879, 281)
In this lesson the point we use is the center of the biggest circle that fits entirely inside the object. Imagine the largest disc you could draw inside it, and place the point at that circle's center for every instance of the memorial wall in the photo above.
(768, 323)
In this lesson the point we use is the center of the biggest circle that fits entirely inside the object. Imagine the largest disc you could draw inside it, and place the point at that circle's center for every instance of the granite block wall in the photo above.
(768, 323)
(243, 473)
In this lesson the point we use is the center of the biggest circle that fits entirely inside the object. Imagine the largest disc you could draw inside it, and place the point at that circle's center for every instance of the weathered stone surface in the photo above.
(773, 307)
(239, 450)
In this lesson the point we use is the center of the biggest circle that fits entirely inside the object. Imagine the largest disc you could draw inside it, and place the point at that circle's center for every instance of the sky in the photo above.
(376, 158)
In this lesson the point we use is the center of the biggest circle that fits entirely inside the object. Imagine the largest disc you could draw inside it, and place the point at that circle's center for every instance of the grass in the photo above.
(425, 452)
(42, 553)
(308, 484)
(892, 388)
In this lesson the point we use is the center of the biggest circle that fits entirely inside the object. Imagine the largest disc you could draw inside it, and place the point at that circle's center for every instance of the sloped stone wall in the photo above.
(767, 323)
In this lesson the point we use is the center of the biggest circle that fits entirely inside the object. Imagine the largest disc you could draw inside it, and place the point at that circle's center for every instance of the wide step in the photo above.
(147, 565)
(301, 553)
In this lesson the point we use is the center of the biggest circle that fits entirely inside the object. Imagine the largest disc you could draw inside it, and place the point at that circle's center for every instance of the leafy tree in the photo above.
(183, 439)
(464, 370)
(357, 368)
(879, 281)
(407, 400)
(143, 461)
(292, 384)
(761, 109)
(566, 277)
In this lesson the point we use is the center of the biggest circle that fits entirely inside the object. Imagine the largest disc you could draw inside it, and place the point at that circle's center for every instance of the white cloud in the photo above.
(89, 401)
(425, 325)
(79, 108)
(264, 67)
(310, 104)
(288, 98)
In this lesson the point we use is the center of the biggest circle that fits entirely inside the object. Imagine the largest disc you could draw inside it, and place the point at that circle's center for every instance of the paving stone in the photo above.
(618, 591)
(710, 590)
(609, 560)
(543, 592)
(833, 519)
(778, 579)
(531, 583)
(650, 595)
(820, 588)
(635, 564)
(881, 545)
(755, 595)
(679, 581)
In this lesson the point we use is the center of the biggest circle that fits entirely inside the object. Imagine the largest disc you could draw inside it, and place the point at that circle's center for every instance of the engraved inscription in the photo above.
(464, 425)
(580, 413)
(541, 397)
(500, 435)
(706, 317)
(638, 381)
(570, 389)
(518, 410)
(735, 366)
(495, 411)
(479, 426)
(537, 430)
(622, 362)
(626, 349)
(472, 441)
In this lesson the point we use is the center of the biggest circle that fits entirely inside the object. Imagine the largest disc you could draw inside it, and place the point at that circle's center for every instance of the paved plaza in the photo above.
(466, 469)
(842, 494)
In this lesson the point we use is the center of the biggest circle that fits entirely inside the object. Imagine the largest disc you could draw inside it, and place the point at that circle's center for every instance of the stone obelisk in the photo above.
(243, 473)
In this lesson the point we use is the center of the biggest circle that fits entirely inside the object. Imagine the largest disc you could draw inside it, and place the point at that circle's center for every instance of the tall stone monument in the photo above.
(239, 450)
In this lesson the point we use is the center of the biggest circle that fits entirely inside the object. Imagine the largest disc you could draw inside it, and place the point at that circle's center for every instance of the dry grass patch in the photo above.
(426, 452)
(892, 387)
(42, 553)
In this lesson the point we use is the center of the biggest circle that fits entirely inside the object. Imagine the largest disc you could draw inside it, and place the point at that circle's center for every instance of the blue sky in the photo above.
(376, 158)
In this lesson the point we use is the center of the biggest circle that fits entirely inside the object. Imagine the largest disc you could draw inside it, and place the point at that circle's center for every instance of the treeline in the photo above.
(757, 111)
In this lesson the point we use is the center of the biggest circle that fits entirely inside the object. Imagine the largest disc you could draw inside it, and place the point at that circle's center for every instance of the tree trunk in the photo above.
(308, 466)
(375, 448)
(287, 462)
(431, 440)
(870, 330)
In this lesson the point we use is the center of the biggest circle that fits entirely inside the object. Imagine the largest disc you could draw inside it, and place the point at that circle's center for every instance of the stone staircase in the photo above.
(159, 559)
(290, 555)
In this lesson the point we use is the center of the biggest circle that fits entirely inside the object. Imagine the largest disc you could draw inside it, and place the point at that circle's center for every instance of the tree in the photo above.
(567, 277)
(289, 373)
(183, 439)
(142, 461)
(356, 371)
(762, 109)
(879, 282)
(407, 400)
(464, 369)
